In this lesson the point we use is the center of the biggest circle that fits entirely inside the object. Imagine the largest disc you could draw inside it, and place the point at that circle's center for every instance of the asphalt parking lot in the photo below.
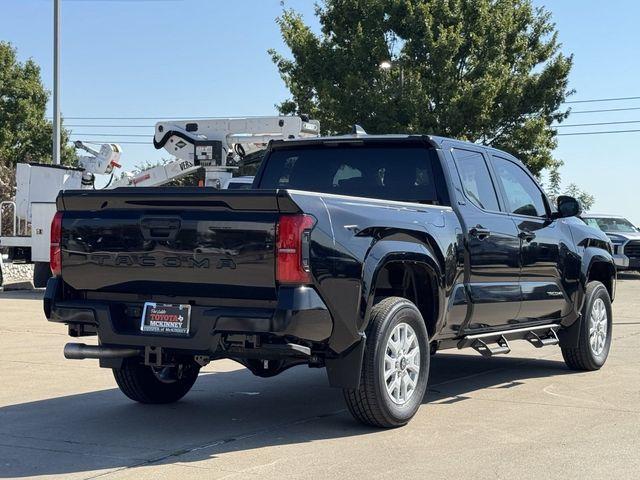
(518, 416)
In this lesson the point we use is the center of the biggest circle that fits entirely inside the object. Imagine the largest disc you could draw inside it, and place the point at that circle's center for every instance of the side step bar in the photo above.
(487, 350)
(496, 343)
(539, 341)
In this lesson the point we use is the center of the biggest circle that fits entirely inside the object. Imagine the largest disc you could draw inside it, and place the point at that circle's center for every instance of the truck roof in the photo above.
(434, 140)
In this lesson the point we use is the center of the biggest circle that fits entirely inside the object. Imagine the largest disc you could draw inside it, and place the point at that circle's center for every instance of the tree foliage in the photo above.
(25, 134)
(553, 188)
(487, 71)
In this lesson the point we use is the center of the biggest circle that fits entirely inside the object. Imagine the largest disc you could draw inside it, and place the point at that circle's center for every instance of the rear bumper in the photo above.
(300, 313)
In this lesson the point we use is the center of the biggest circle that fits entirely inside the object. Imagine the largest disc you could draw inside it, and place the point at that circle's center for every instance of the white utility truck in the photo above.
(215, 145)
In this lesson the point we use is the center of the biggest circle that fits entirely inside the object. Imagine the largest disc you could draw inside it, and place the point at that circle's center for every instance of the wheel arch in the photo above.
(410, 250)
(400, 268)
(597, 265)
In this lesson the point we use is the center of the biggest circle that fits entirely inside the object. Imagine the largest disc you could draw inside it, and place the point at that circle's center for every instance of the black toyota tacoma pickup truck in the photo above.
(361, 254)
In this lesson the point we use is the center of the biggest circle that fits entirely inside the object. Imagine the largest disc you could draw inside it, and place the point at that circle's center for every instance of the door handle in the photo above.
(526, 236)
(160, 228)
(480, 233)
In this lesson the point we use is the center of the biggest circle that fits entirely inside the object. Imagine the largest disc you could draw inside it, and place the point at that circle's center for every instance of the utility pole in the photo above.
(56, 82)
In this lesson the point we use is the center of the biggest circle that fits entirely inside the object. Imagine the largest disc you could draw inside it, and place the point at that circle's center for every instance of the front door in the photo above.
(544, 242)
(493, 246)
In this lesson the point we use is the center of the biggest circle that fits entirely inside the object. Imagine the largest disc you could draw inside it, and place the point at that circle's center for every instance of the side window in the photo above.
(522, 194)
(475, 178)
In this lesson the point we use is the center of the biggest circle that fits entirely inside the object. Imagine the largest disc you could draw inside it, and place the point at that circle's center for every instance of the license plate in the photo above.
(165, 319)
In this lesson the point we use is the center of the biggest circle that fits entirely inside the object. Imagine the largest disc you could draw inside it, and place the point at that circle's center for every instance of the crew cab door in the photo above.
(492, 244)
(543, 242)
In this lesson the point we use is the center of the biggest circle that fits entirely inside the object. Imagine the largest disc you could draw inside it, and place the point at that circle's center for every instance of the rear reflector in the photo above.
(55, 253)
(292, 248)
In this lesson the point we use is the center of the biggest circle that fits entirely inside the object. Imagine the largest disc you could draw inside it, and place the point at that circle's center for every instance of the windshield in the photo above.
(613, 224)
(389, 172)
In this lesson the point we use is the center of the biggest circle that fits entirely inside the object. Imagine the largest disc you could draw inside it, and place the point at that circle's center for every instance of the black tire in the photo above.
(370, 403)
(142, 384)
(583, 357)
(41, 274)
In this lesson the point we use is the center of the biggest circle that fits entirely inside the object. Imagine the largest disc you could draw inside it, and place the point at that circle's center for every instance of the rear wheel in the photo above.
(146, 384)
(595, 332)
(395, 368)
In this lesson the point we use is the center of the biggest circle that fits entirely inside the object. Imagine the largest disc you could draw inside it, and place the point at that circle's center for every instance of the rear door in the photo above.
(544, 242)
(493, 246)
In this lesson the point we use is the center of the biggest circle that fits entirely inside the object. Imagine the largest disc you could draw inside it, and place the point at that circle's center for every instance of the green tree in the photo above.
(553, 188)
(25, 134)
(488, 71)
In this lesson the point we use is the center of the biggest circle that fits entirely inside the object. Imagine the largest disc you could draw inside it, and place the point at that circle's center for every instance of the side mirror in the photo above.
(568, 207)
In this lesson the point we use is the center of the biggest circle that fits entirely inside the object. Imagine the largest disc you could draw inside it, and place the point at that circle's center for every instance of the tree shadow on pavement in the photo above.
(225, 412)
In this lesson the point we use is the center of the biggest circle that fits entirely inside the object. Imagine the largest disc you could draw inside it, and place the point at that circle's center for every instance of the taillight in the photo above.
(55, 253)
(292, 248)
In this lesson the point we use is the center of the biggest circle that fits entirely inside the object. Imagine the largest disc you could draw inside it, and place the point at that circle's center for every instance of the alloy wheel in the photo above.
(401, 363)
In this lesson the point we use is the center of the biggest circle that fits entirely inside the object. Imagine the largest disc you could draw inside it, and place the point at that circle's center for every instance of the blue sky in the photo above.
(193, 58)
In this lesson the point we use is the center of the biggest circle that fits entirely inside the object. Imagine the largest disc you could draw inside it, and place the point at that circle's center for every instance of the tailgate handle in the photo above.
(160, 228)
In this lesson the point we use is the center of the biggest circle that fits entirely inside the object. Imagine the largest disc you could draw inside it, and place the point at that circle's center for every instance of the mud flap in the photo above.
(570, 335)
(344, 372)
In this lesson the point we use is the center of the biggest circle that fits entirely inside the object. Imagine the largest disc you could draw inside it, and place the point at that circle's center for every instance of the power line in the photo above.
(158, 118)
(605, 110)
(95, 142)
(161, 117)
(79, 125)
(126, 142)
(76, 134)
(594, 124)
(594, 100)
(598, 133)
(108, 126)
(135, 118)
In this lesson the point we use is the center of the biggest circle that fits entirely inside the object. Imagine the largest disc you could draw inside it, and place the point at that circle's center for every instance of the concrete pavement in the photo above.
(518, 416)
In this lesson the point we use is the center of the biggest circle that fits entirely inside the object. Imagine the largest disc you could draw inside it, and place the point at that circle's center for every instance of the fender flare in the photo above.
(344, 372)
(385, 252)
(570, 334)
(590, 258)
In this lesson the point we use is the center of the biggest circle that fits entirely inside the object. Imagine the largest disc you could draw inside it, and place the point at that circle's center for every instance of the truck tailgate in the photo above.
(172, 241)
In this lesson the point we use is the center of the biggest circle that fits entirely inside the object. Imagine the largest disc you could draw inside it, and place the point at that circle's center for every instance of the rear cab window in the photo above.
(476, 179)
(407, 173)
